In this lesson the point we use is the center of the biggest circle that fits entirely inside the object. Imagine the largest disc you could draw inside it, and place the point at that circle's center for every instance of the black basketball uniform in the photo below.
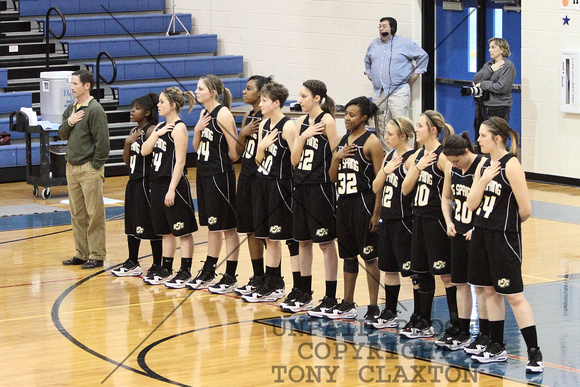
(396, 223)
(273, 212)
(430, 247)
(178, 219)
(138, 193)
(356, 203)
(247, 180)
(462, 219)
(496, 245)
(216, 179)
(314, 196)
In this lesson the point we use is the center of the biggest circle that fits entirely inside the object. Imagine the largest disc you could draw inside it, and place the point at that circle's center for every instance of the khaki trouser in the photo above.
(87, 210)
(391, 107)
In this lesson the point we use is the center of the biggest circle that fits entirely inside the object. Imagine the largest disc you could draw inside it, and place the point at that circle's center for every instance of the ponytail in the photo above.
(175, 95)
(499, 127)
(515, 137)
(213, 82)
(366, 106)
(227, 98)
(190, 100)
(317, 87)
(436, 119)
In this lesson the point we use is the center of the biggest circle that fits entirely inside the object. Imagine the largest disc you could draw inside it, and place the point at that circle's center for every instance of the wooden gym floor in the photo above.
(66, 326)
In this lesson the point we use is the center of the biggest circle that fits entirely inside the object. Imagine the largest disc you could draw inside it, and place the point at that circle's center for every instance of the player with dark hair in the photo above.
(245, 194)
(138, 223)
(459, 219)
(354, 167)
(273, 211)
(314, 197)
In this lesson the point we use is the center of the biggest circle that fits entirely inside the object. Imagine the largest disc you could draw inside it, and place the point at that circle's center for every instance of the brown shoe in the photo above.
(73, 261)
(92, 264)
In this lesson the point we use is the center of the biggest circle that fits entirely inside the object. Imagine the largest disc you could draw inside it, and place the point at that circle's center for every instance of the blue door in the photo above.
(456, 59)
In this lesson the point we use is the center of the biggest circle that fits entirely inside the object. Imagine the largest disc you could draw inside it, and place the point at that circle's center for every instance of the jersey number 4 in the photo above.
(203, 153)
(157, 156)
(486, 206)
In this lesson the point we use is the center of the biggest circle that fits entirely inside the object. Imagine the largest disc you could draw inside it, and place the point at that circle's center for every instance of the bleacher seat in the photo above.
(15, 155)
(67, 7)
(3, 78)
(116, 25)
(14, 101)
(142, 46)
(172, 67)
(127, 93)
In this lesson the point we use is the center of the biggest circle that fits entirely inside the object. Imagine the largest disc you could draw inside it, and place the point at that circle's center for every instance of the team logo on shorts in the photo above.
(368, 250)
(407, 266)
(178, 226)
(139, 230)
(322, 232)
(275, 229)
(439, 265)
(503, 282)
(212, 220)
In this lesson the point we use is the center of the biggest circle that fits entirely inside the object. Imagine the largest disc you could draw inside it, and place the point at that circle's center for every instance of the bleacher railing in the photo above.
(48, 31)
(99, 77)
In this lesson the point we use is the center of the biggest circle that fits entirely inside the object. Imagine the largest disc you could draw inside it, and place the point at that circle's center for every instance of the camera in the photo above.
(466, 91)
(475, 91)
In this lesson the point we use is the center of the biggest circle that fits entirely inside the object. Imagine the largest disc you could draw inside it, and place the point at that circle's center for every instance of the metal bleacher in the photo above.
(142, 46)
(116, 25)
(134, 34)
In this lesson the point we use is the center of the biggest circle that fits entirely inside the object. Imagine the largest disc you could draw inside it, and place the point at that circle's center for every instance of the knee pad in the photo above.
(351, 266)
(425, 281)
(293, 247)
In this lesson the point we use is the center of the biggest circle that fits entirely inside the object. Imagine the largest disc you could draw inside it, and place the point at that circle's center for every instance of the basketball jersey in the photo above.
(248, 159)
(427, 201)
(276, 163)
(316, 157)
(164, 155)
(355, 173)
(395, 205)
(213, 152)
(498, 209)
(460, 186)
(139, 165)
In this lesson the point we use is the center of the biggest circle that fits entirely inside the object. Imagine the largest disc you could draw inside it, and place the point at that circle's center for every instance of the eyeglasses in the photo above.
(383, 25)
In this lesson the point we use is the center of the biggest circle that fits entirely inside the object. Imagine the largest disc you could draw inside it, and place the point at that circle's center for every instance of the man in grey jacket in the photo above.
(84, 125)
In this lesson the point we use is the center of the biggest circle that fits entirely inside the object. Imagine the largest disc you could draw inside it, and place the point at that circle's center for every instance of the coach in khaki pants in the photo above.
(84, 125)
